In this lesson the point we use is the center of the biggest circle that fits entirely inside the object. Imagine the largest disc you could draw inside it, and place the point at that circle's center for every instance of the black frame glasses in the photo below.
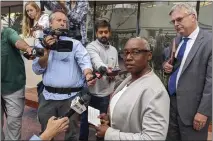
(134, 53)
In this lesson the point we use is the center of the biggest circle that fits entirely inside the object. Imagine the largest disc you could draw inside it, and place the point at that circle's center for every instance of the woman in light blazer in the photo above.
(139, 108)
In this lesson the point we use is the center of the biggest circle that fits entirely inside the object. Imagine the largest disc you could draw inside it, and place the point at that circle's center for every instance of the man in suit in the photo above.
(190, 82)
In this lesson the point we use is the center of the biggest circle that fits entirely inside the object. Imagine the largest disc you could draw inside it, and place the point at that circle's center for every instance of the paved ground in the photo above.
(30, 126)
(30, 123)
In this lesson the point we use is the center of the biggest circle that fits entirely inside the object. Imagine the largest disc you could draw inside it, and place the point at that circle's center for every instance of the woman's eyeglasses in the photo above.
(134, 53)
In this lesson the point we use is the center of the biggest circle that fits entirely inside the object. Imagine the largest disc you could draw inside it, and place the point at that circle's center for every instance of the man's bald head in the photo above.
(139, 42)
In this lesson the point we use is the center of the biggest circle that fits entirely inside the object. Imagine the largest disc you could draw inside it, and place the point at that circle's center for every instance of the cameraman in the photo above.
(63, 76)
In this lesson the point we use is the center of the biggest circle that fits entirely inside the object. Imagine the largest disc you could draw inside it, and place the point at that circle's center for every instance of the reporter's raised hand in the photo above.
(90, 80)
(54, 127)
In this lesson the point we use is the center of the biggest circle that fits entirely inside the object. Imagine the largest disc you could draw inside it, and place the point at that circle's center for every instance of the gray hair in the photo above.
(188, 7)
(146, 43)
(52, 16)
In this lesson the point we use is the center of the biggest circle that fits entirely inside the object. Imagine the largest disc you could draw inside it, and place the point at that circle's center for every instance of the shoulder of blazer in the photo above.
(206, 38)
(206, 34)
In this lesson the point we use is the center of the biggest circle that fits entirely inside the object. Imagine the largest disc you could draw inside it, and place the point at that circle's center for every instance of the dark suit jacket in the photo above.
(194, 89)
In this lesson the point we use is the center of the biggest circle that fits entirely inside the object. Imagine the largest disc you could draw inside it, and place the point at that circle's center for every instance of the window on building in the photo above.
(12, 17)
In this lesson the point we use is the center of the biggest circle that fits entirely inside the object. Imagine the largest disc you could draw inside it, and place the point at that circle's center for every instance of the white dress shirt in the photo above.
(192, 37)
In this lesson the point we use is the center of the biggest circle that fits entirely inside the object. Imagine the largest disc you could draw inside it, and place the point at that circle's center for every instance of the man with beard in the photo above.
(105, 55)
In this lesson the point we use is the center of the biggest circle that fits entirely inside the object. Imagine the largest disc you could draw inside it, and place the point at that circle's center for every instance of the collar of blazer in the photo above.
(128, 79)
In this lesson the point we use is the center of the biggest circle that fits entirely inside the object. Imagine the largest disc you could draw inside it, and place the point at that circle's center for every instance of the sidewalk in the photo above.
(31, 126)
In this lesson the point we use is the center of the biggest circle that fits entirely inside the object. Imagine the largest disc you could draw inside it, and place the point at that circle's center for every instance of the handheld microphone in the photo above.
(102, 70)
(78, 105)
(98, 74)
(36, 52)
(57, 32)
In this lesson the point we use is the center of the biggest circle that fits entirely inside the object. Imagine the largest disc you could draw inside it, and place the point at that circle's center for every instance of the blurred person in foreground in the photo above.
(13, 81)
(54, 127)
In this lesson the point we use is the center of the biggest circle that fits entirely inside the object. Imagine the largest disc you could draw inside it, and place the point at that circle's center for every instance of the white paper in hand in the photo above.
(93, 116)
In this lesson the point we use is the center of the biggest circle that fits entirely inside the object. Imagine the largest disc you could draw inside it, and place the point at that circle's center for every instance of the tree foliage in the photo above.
(15, 20)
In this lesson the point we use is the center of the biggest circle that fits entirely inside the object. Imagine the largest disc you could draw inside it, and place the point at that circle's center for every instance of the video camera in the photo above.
(79, 104)
(60, 45)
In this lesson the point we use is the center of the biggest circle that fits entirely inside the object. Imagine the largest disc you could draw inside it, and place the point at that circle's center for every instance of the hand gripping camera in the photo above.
(60, 45)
